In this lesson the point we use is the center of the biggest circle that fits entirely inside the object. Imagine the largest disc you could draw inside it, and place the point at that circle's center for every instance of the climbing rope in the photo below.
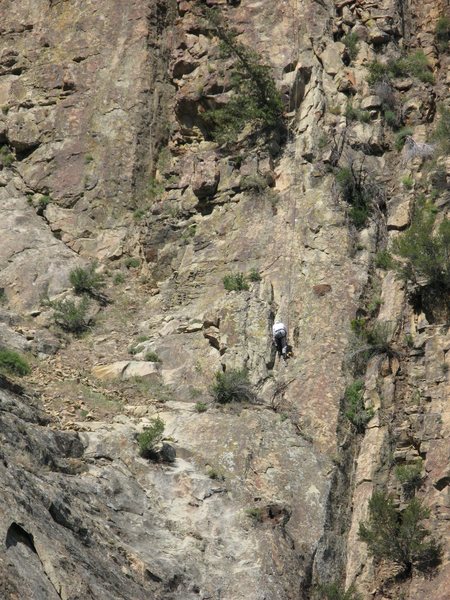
(290, 139)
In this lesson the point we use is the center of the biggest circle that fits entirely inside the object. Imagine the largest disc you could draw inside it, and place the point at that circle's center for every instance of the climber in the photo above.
(279, 332)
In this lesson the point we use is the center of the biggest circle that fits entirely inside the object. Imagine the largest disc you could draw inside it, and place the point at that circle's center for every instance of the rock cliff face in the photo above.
(107, 155)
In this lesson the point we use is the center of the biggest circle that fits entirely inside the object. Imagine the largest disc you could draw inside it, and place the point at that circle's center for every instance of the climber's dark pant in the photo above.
(281, 343)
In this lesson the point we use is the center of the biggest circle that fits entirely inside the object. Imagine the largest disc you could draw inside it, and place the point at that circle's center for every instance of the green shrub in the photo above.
(255, 182)
(201, 407)
(235, 282)
(442, 33)
(232, 385)
(350, 42)
(255, 100)
(378, 337)
(88, 158)
(333, 591)
(355, 410)
(377, 72)
(6, 156)
(356, 114)
(132, 262)
(410, 476)
(139, 214)
(398, 536)
(215, 474)
(152, 356)
(441, 134)
(374, 304)
(14, 363)
(383, 260)
(118, 278)
(154, 188)
(254, 275)
(150, 437)
(401, 136)
(408, 182)
(359, 192)
(70, 315)
(44, 201)
(424, 254)
(256, 514)
(359, 215)
(3, 298)
(412, 65)
(392, 118)
(369, 341)
(86, 281)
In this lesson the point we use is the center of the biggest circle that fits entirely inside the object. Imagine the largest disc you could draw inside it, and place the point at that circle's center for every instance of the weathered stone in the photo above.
(399, 214)
(371, 102)
(322, 289)
(331, 58)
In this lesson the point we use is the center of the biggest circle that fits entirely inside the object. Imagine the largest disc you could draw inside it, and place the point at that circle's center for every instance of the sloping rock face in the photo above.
(70, 118)
(107, 153)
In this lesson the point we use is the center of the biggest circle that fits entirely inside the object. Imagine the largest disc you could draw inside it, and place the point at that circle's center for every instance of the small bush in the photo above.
(350, 42)
(232, 385)
(201, 407)
(442, 33)
(255, 102)
(356, 114)
(398, 536)
(410, 476)
(139, 214)
(377, 72)
(118, 278)
(215, 474)
(359, 191)
(392, 119)
(152, 357)
(424, 254)
(355, 410)
(333, 591)
(43, 202)
(3, 298)
(256, 514)
(379, 338)
(368, 342)
(401, 136)
(14, 363)
(150, 437)
(359, 215)
(383, 260)
(441, 134)
(71, 316)
(235, 282)
(254, 275)
(86, 281)
(155, 188)
(408, 182)
(412, 65)
(255, 182)
(6, 156)
(132, 263)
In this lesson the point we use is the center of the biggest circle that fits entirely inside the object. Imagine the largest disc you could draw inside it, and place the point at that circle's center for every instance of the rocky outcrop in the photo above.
(108, 152)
